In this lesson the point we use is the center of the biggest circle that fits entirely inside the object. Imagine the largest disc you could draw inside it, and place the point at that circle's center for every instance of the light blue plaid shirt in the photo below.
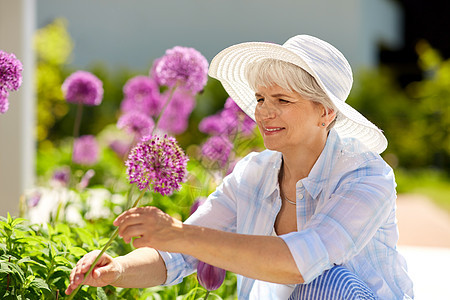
(345, 216)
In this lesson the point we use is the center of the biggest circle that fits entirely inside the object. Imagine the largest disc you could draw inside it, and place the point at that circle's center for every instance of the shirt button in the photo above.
(300, 196)
(299, 184)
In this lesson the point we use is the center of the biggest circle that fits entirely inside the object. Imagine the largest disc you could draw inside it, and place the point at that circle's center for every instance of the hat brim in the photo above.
(229, 67)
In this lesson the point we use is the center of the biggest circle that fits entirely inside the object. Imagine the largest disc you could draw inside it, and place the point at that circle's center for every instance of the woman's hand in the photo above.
(151, 227)
(106, 271)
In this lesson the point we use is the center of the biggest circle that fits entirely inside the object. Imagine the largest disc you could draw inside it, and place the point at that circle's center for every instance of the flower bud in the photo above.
(210, 277)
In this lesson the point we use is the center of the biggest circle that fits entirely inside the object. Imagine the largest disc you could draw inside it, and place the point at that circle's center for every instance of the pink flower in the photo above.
(175, 118)
(183, 66)
(83, 87)
(217, 149)
(10, 77)
(141, 93)
(136, 123)
(210, 277)
(10, 71)
(85, 150)
(159, 162)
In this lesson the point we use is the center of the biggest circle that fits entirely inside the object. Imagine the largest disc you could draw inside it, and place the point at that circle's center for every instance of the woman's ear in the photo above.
(328, 116)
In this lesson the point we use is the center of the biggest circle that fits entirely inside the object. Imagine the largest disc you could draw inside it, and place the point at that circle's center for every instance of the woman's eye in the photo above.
(284, 101)
(259, 99)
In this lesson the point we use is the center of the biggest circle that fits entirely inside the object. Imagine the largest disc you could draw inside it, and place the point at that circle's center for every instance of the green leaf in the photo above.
(16, 271)
(29, 260)
(39, 283)
(63, 228)
(62, 260)
(17, 221)
(101, 294)
(85, 236)
(77, 251)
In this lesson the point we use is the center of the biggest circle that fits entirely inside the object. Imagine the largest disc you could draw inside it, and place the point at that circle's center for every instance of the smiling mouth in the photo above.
(273, 129)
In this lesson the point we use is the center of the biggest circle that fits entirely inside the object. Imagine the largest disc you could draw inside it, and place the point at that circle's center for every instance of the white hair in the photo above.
(268, 72)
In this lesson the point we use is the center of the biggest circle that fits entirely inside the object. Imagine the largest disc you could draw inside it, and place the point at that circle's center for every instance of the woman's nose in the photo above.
(266, 110)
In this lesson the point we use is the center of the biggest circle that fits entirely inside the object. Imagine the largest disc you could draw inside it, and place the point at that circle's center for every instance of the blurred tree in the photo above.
(416, 119)
(53, 47)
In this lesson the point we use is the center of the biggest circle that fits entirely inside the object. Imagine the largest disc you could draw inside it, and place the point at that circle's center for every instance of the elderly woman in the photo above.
(311, 217)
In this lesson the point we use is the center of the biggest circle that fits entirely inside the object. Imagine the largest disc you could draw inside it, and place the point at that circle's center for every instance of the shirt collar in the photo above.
(321, 170)
(318, 175)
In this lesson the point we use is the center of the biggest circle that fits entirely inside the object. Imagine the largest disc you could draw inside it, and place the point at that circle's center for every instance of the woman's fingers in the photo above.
(149, 224)
(128, 232)
(99, 275)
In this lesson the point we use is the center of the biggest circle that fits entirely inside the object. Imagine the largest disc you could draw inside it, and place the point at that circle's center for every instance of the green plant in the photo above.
(36, 261)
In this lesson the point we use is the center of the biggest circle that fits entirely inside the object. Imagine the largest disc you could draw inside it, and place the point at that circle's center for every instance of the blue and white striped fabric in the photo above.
(345, 216)
(338, 283)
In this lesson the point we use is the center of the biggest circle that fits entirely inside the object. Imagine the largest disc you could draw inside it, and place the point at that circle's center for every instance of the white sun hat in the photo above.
(320, 59)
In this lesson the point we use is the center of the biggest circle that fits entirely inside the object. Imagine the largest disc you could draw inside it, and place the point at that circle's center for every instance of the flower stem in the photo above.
(111, 239)
(207, 294)
(76, 126)
(172, 91)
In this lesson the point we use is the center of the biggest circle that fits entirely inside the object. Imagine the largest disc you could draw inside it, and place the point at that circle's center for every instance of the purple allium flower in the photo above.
(183, 66)
(153, 73)
(212, 125)
(217, 148)
(236, 119)
(197, 203)
(210, 277)
(85, 150)
(141, 93)
(84, 87)
(157, 161)
(10, 71)
(61, 176)
(174, 119)
(10, 78)
(136, 123)
(228, 121)
(4, 104)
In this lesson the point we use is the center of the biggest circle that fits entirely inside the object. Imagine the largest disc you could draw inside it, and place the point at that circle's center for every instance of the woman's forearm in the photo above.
(141, 268)
(260, 257)
(265, 258)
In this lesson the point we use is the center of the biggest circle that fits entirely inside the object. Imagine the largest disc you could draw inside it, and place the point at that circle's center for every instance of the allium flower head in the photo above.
(10, 78)
(174, 119)
(217, 149)
(157, 161)
(85, 150)
(136, 123)
(210, 277)
(84, 87)
(228, 121)
(212, 125)
(183, 66)
(10, 71)
(141, 93)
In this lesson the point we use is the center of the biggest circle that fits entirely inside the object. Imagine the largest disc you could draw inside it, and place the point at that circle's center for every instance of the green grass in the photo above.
(431, 183)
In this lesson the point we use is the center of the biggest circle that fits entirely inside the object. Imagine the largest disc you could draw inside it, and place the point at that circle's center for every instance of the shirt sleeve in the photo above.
(218, 212)
(343, 225)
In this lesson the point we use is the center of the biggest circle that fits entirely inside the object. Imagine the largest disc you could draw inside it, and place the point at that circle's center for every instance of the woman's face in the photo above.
(287, 121)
